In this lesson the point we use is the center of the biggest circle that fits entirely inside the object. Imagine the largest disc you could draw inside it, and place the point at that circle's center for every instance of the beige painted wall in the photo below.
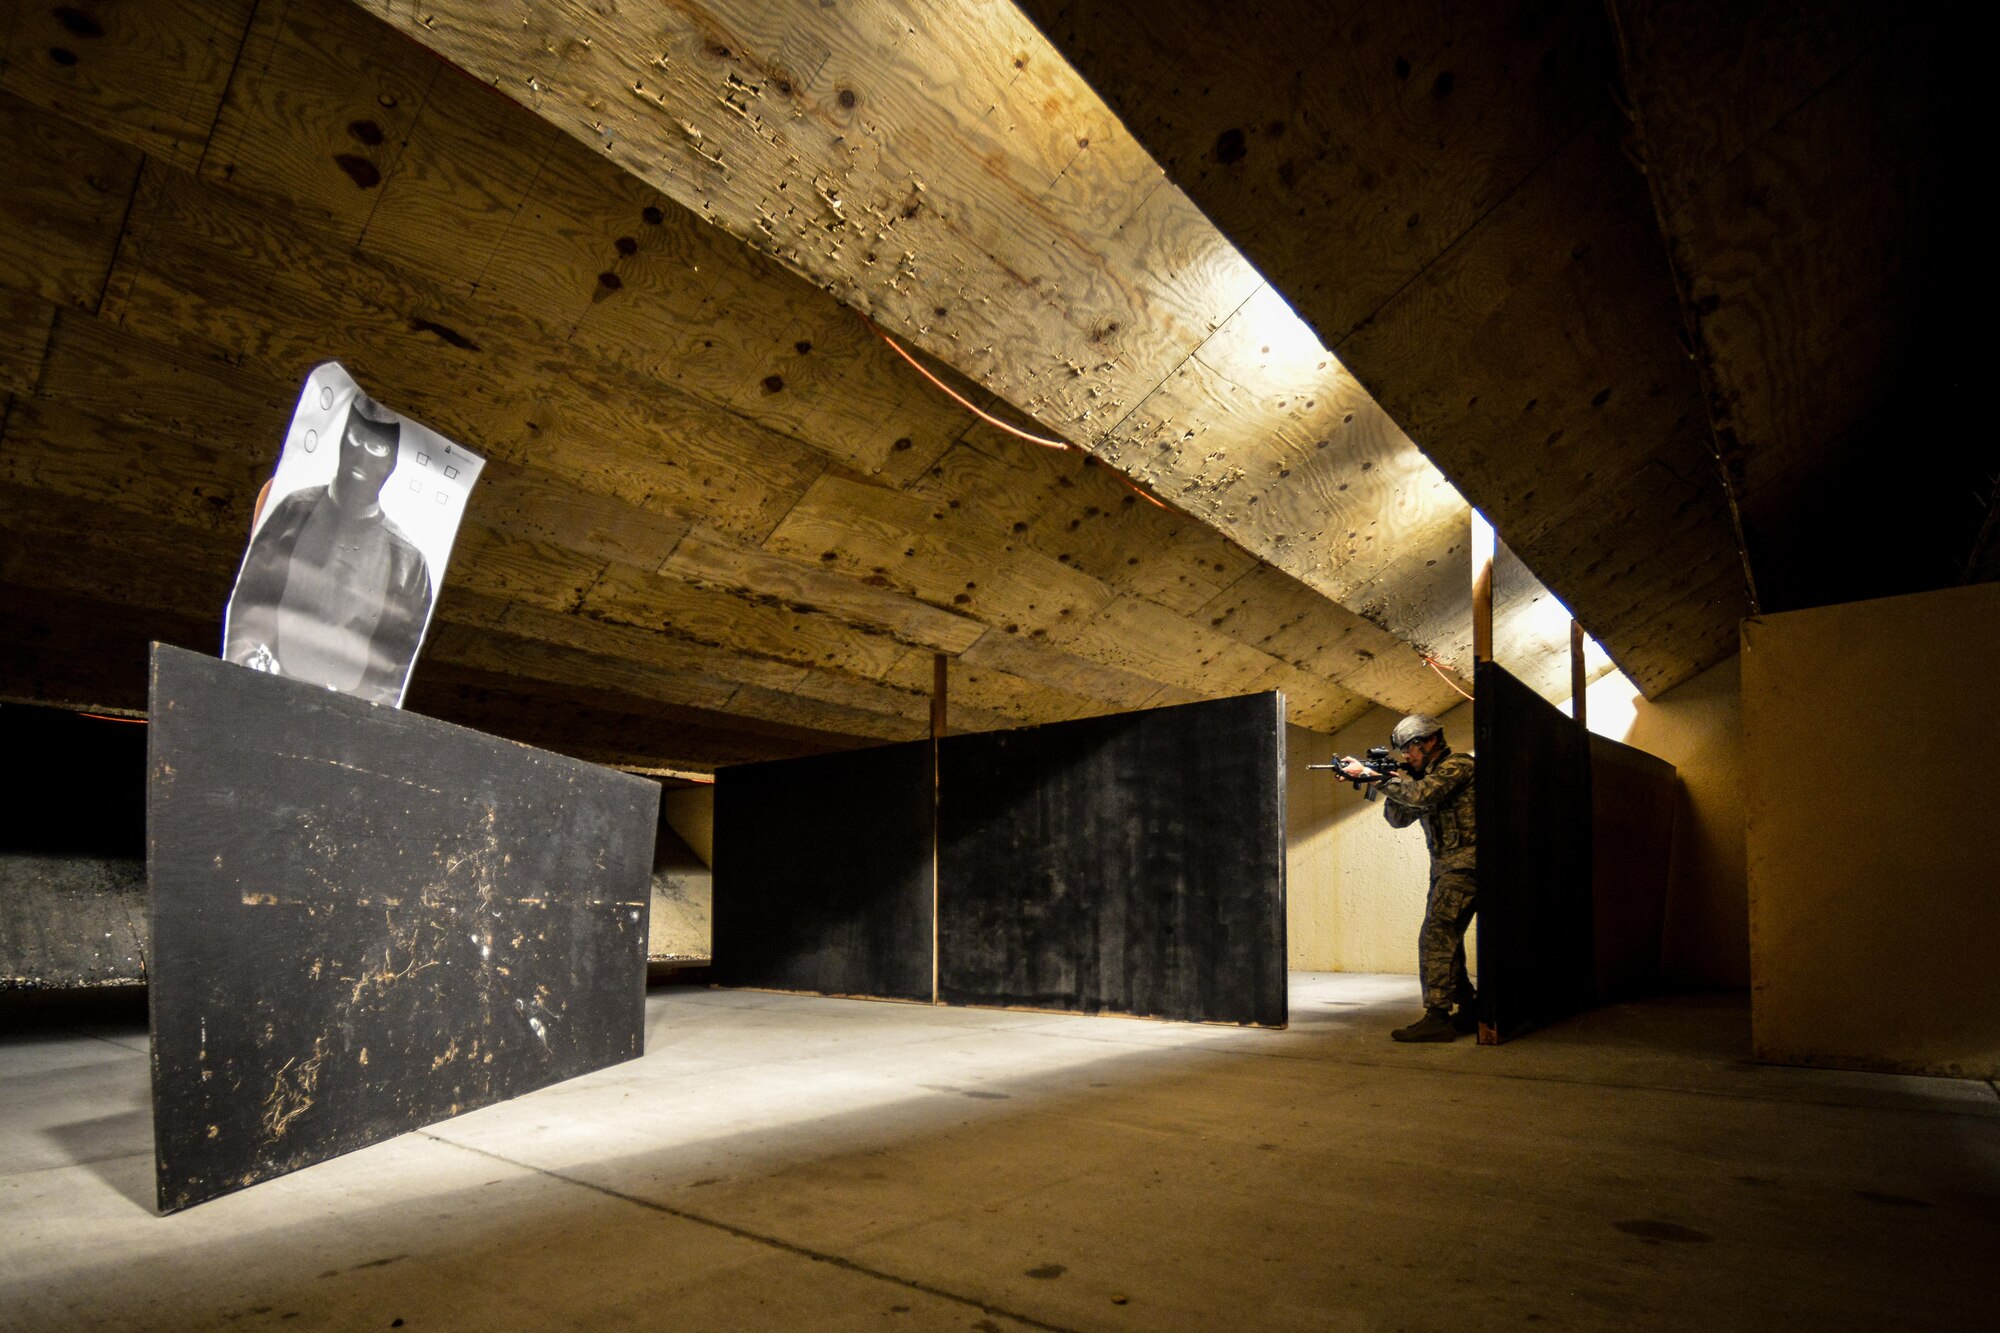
(1698, 728)
(1355, 887)
(1874, 897)
(690, 812)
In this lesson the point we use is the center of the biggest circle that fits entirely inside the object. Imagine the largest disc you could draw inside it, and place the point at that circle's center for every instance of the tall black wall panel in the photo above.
(823, 878)
(1634, 799)
(364, 921)
(1533, 797)
(1131, 864)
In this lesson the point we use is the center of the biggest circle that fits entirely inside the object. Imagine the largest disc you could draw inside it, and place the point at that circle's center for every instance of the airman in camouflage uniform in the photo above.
(1436, 792)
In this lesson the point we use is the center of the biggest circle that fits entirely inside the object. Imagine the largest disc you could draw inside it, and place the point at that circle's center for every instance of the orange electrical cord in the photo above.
(964, 402)
(106, 717)
(1047, 443)
(991, 420)
(1432, 663)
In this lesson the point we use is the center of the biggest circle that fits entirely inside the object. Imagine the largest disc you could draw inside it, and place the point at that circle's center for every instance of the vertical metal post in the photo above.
(1482, 588)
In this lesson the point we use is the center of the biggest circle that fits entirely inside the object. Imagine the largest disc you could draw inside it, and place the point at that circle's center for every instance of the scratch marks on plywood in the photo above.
(356, 768)
(292, 1089)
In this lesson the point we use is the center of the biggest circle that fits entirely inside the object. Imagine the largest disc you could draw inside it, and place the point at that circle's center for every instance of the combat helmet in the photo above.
(1414, 728)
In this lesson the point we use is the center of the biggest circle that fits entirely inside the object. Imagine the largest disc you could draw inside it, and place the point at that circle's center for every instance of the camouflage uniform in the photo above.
(1441, 800)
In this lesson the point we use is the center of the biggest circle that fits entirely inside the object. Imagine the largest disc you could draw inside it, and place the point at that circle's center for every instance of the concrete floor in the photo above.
(783, 1162)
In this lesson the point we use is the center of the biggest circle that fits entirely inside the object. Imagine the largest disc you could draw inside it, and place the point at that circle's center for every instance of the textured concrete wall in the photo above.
(71, 921)
(72, 851)
(1874, 901)
(1355, 887)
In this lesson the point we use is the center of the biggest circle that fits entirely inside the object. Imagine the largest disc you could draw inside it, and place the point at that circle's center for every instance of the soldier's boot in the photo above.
(1435, 1025)
(1465, 1014)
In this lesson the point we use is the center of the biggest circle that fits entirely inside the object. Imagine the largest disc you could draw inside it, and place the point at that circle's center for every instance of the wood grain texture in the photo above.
(1280, 446)
(60, 216)
(1806, 165)
(67, 454)
(1064, 505)
(653, 493)
(982, 699)
(151, 74)
(579, 633)
(1813, 203)
(1272, 611)
(26, 321)
(959, 209)
(714, 490)
(1709, 80)
(757, 625)
(614, 728)
(709, 559)
(1444, 194)
(1352, 143)
(925, 548)
(318, 113)
(152, 466)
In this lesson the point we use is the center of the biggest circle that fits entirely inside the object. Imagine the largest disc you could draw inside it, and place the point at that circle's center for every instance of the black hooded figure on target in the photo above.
(332, 592)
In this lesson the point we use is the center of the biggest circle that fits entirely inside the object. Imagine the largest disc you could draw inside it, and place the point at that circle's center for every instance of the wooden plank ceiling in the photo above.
(1620, 270)
(945, 171)
(724, 520)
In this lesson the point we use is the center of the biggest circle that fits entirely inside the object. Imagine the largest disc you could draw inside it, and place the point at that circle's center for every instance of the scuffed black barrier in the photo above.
(1130, 864)
(364, 921)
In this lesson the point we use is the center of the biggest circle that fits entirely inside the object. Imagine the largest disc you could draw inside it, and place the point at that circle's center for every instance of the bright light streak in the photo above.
(1482, 542)
(1612, 697)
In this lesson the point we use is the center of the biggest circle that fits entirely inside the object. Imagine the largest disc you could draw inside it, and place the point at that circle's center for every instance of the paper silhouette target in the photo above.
(349, 548)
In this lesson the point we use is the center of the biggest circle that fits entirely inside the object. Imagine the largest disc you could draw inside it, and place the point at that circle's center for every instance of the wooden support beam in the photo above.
(939, 674)
(1482, 588)
(1579, 705)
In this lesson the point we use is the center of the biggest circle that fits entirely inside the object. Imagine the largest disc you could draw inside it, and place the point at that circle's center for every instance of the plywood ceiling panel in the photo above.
(718, 500)
(622, 252)
(939, 169)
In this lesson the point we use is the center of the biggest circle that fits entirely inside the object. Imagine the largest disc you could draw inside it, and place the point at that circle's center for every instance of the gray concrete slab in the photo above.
(790, 1162)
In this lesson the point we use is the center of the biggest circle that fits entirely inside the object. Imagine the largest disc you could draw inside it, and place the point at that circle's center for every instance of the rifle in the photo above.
(1379, 758)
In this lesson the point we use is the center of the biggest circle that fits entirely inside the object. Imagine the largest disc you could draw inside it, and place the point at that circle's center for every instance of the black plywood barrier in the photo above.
(1634, 798)
(1130, 864)
(1533, 809)
(823, 878)
(364, 921)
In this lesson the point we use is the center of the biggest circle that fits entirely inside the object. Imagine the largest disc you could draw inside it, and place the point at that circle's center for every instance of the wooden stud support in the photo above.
(938, 675)
(1482, 588)
(1577, 701)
